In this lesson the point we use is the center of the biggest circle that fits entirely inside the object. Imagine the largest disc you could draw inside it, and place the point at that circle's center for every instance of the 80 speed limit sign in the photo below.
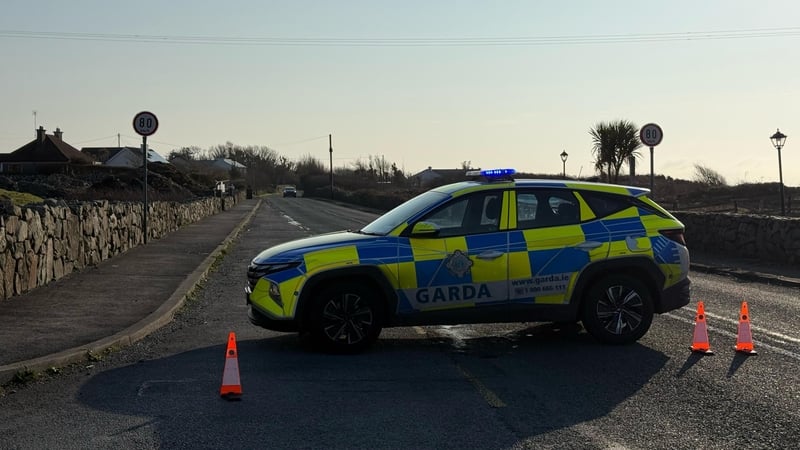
(651, 135)
(145, 123)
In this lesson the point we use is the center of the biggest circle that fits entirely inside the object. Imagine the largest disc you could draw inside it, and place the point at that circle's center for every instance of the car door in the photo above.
(462, 260)
(550, 245)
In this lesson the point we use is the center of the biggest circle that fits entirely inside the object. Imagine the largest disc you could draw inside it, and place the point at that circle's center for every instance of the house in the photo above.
(46, 154)
(226, 165)
(434, 177)
(122, 156)
(184, 164)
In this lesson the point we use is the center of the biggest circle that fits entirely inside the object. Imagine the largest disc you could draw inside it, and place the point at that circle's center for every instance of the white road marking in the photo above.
(778, 337)
(294, 222)
(757, 343)
(454, 333)
(774, 335)
(491, 398)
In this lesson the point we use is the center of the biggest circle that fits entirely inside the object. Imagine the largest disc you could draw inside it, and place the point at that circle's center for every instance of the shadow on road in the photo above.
(424, 392)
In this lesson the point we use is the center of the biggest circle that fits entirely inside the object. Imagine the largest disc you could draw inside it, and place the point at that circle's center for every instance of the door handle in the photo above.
(588, 245)
(490, 254)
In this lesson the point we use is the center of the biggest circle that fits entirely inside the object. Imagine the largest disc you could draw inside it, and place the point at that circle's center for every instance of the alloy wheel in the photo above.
(347, 319)
(620, 310)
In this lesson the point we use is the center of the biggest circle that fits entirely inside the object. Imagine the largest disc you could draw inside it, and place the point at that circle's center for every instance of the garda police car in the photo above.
(491, 250)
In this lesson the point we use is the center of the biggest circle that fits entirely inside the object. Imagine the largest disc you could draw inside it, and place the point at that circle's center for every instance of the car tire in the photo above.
(346, 317)
(618, 309)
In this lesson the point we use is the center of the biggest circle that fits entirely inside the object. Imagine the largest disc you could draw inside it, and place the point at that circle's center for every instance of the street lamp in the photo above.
(778, 139)
(564, 164)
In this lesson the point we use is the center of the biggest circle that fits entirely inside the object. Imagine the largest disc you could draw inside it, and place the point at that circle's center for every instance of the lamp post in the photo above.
(778, 139)
(564, 156)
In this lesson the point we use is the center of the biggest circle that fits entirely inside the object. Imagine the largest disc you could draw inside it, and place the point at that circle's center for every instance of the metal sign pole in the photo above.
(651, 171)
(651, 135)
(144, 221)
(145, 123)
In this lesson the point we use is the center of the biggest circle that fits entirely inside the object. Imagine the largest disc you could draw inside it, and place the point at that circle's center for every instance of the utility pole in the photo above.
(34, 119)
(119, 145)
(330, 147)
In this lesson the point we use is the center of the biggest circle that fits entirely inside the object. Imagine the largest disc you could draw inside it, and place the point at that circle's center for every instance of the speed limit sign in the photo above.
(145, 123)
(651, 135)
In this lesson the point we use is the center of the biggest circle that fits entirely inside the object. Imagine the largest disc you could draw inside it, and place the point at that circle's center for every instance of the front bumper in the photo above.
(262, 319)
(675, 296)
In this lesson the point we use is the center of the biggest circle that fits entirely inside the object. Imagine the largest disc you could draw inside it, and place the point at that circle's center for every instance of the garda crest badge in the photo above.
(458, 264)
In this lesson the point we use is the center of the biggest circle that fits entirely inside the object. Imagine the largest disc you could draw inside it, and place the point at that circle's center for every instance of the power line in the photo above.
(95, 140)
(414, 42)
(303, 140)
(139, 138)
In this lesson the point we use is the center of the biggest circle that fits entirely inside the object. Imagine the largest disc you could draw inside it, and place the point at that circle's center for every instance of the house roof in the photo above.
(48, 149)
(101, 154)
(105, 154)
(225, 162)
(439, 172)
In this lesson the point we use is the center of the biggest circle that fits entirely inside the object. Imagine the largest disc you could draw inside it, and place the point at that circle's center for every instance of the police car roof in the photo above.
(531, 183)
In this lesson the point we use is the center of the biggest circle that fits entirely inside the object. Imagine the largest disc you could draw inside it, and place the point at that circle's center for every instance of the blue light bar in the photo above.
(491, 173)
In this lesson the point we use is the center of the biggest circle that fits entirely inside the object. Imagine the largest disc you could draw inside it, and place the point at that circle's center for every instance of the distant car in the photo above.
(289, 191)
(485, 251)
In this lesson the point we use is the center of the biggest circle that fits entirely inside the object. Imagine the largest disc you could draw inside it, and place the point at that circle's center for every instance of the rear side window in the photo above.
(604, 204)
(537, 208)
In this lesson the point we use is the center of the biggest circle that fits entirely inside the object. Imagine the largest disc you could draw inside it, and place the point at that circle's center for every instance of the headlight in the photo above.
(257, 271)
(275, 293)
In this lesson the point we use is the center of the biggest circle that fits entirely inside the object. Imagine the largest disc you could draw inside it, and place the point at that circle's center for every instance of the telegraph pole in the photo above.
(330, 147)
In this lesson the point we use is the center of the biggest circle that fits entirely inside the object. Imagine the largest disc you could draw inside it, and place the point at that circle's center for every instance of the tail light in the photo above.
(674, 235)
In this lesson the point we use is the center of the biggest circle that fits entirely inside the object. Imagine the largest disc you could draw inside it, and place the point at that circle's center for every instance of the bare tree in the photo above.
(382, 167)
(705, 175)
(187, 153)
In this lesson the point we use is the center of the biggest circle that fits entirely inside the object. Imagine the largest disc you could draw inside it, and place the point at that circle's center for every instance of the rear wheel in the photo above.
(346, 317)
(618, 309)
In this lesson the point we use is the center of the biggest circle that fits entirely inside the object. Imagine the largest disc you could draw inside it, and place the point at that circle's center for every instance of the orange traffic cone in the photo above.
(231, 387)
(744, 338)
(700, 341)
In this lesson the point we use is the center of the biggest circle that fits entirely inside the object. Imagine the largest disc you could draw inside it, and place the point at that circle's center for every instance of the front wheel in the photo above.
(618, 309)
(346, 317)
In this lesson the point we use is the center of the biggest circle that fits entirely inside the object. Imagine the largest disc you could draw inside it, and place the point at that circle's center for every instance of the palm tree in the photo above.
(602, 148)
(613, 144)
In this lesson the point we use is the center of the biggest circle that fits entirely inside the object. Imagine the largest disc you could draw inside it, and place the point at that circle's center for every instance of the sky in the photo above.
(421, 83)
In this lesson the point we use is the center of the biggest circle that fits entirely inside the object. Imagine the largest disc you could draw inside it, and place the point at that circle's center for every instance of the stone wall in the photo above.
(43, 243)
(763, 237)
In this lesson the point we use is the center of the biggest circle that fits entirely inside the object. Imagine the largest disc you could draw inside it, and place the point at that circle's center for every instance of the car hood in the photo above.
(294, 250)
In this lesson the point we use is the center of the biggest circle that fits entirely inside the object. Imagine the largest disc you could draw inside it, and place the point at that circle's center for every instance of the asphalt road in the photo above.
(487, 386)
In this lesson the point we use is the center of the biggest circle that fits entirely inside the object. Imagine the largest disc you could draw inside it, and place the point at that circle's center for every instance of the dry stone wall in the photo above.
(43, 243)
(766, 238)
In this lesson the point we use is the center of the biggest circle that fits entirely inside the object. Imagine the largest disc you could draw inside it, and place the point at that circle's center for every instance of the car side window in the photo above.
(450, 217)
(605, 204)
(476, 213)
(546, 208)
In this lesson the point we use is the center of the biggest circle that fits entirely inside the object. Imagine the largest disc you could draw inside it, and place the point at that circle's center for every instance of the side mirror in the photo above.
(425, 229)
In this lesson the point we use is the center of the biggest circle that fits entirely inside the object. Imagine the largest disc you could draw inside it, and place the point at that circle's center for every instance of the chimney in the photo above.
(58, 133)
(40, 134)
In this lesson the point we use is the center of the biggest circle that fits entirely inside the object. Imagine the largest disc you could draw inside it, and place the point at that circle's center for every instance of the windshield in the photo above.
(392, 219)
